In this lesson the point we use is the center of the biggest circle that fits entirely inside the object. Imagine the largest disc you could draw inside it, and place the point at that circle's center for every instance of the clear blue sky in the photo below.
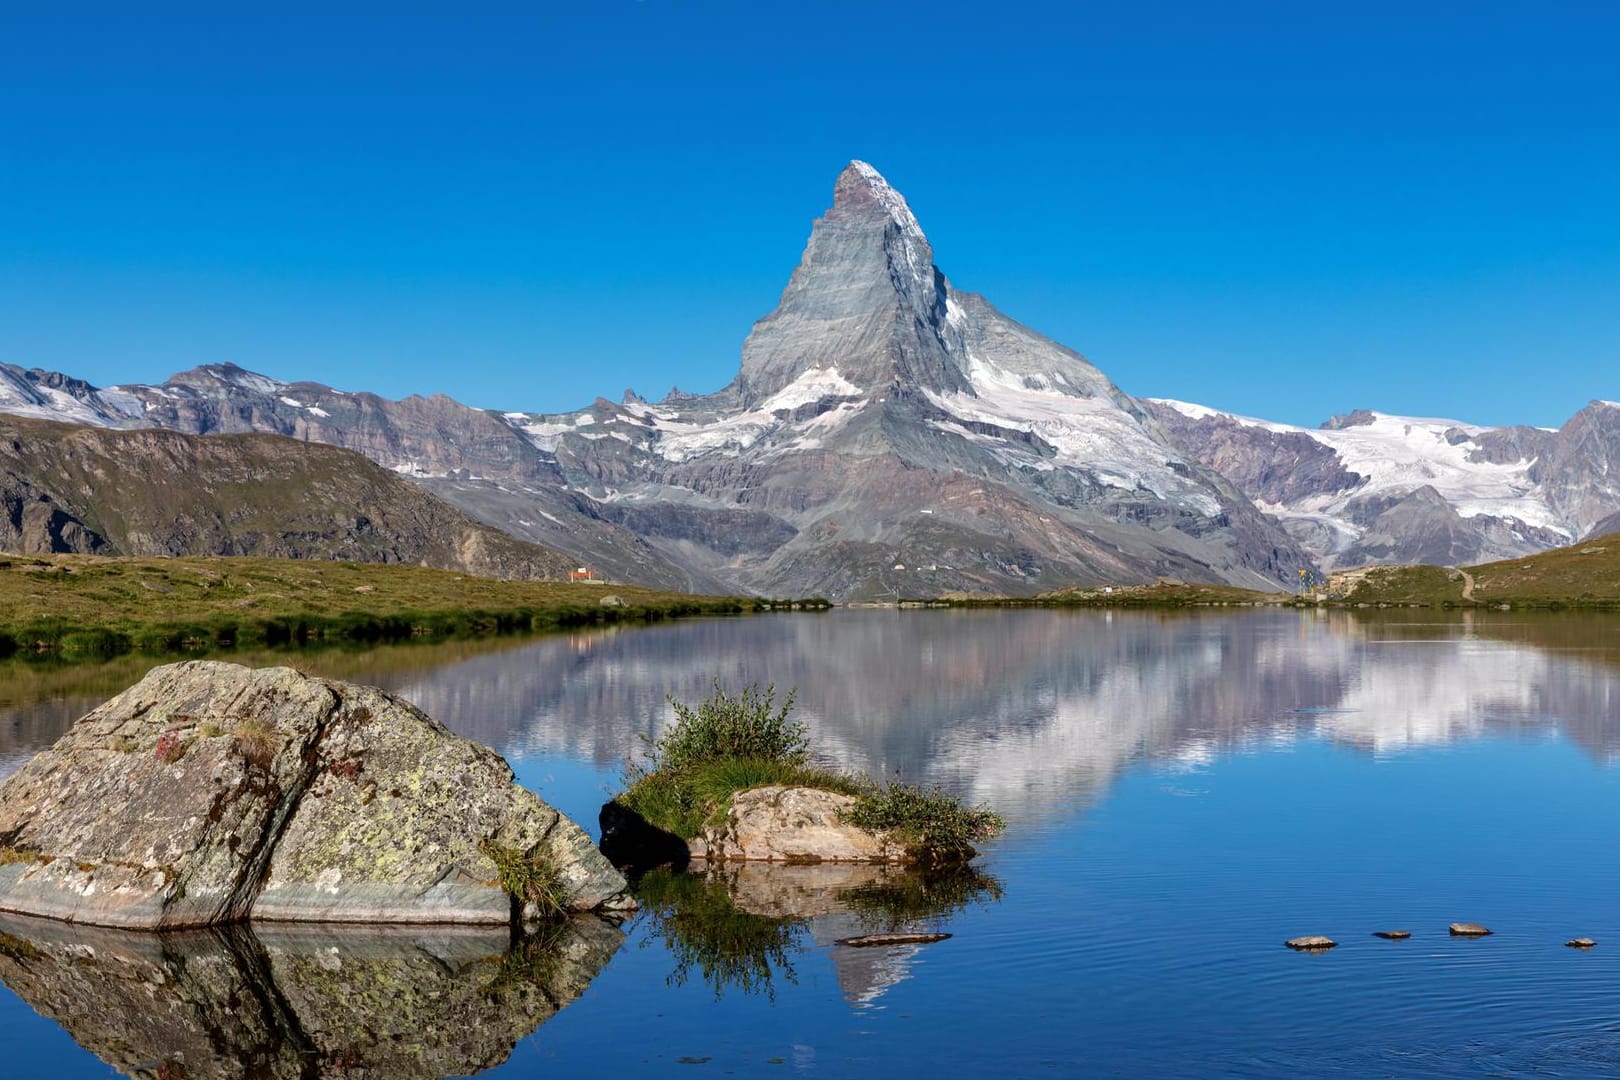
(1285, 209)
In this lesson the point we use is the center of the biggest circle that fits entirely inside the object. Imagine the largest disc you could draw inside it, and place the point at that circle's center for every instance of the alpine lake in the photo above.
(1183, 793)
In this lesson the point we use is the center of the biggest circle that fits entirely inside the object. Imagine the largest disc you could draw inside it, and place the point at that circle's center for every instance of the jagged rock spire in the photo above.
(866, 299)
(860, 187)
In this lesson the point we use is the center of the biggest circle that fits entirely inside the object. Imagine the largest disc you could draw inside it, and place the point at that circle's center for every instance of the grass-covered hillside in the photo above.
(81, 604)
(1586, 574)
(65, 488)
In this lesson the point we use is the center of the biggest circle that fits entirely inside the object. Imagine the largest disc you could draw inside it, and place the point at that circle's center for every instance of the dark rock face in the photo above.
(1357, 418)
(1581, 469)
(208, 793)
(301, 1001)
(1268, 466)
(66, 488)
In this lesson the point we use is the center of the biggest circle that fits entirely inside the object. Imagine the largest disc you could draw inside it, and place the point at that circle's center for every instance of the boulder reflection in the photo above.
(301, 1001)
(741, 926)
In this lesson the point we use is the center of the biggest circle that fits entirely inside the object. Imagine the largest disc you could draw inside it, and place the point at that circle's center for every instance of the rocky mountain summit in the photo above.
(888, 433)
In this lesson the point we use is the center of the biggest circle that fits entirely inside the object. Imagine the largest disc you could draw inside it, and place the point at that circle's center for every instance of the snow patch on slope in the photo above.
(1088, 433)
(677, 436)
(1398, 455)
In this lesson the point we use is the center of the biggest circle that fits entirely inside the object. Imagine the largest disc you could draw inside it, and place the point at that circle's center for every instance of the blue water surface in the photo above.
(1183, 793)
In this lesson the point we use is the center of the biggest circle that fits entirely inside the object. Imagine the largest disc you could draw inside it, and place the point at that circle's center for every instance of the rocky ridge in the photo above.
(67, 488)
(1370, 487)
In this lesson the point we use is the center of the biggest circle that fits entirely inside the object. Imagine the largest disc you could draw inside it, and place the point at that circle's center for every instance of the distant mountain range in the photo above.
(888, 433)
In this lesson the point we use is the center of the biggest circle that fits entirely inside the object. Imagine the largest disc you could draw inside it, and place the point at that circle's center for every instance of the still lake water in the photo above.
(1182, 792)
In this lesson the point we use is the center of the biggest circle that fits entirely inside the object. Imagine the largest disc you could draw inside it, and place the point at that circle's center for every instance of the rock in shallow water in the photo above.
(1393, 935)
(1468, 929)
(1310, 943)
(794, 824)
(1580, 943)
(210, 792)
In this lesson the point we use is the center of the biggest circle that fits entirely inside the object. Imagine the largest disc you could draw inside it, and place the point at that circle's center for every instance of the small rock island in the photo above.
(210, 793)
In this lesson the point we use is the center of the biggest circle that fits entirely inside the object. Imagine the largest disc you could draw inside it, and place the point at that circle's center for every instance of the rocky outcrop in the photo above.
(209, 793)
(793, 825)
(295, 1002)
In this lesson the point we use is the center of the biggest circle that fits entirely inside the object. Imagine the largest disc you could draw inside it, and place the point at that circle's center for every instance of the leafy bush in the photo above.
(727, 727)
(931, 823)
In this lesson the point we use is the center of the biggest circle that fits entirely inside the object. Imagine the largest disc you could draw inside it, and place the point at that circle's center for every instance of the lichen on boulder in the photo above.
(209, 792)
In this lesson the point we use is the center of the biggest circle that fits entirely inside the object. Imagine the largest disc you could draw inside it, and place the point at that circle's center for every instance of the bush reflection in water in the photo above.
(739, 926)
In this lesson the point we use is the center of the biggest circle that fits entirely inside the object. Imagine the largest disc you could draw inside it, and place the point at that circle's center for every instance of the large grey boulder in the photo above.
(210, 792)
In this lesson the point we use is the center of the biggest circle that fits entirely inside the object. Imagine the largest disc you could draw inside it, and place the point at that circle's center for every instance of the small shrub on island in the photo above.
(731, 743)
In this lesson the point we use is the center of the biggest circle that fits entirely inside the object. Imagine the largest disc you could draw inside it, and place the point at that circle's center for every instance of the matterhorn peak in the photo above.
(860, 186)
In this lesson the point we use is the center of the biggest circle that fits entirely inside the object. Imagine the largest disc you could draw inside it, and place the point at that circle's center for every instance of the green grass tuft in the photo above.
(530, 879)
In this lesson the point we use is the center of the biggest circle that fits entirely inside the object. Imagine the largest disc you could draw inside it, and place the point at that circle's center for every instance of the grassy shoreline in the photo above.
(1581, 577)
(79, 607)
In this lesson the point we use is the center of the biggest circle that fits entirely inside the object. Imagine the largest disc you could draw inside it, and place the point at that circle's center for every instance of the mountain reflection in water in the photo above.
(1025, 710)
(297, 1000)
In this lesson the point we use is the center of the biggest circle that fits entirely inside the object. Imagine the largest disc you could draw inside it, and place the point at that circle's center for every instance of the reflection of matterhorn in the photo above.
(864, 975)
(1026, 711)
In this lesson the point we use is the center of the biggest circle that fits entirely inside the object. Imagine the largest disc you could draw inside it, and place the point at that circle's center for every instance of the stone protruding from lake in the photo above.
(1469, 929)
(1580, 943)
(1393, 935)
(796, 825)
(1310, 943)
(211, 792)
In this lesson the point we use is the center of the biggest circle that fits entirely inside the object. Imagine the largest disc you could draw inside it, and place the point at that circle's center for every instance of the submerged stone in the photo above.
(1310, 943)
(1468, 929)
(210, 792)
(868, 941)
